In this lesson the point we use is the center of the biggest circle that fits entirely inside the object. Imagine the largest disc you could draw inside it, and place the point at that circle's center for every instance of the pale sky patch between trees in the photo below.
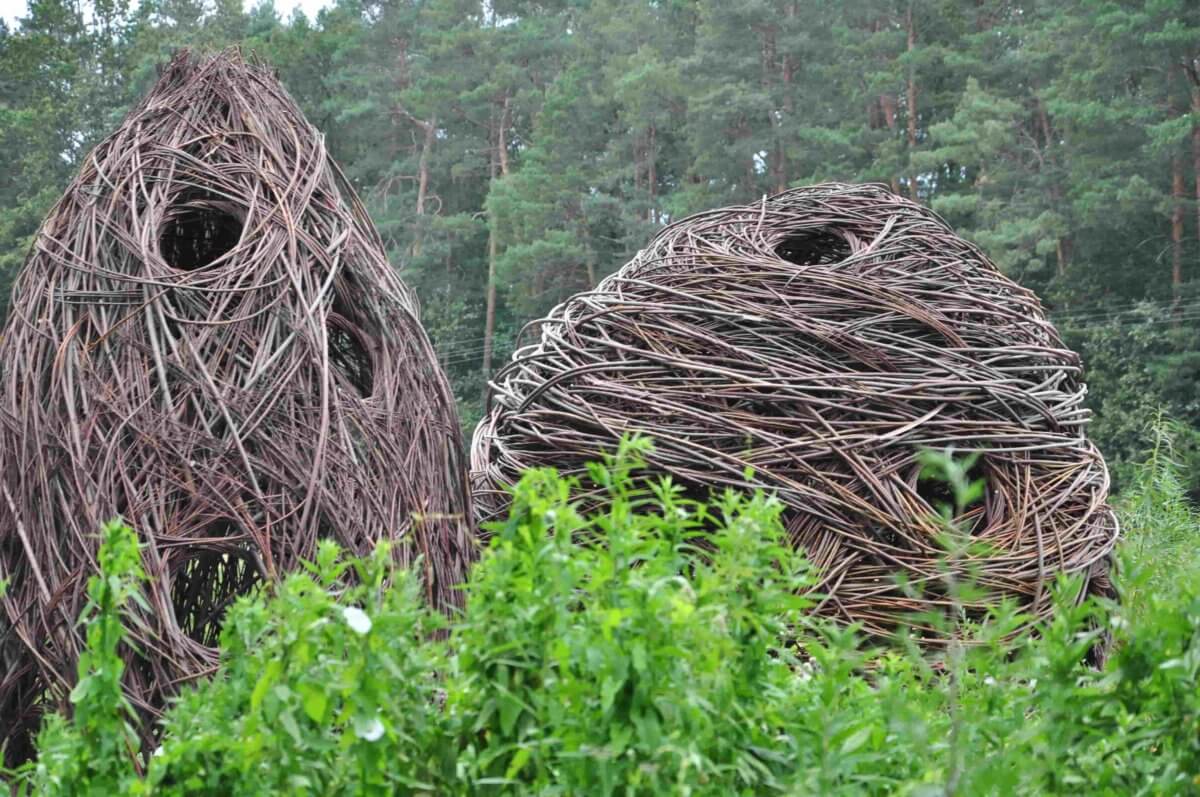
(11, 10)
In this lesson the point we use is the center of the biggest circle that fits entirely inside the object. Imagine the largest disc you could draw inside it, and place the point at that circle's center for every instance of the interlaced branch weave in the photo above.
(822, 338)
(207, 340)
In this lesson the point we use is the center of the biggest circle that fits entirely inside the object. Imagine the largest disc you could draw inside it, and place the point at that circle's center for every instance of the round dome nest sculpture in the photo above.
(823, 338)
(208, 340)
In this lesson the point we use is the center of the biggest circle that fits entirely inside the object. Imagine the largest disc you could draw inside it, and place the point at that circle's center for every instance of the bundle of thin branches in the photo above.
(207, 340)
(821, 340)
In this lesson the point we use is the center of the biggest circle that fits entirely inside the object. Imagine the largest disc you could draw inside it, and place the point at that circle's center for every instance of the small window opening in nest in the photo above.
(207, 583)
(198, 230)
(813, 248)
(938, 493)
(349, 357)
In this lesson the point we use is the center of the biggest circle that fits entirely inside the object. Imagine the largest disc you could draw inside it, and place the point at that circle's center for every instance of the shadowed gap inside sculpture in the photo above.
(207, 583)
(197, 230)
(938, 493)
(349, 356)
(813, 247)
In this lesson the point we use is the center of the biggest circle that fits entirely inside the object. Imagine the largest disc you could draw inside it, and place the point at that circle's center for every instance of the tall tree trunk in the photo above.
(637, 164)
(1193, 72)
(887, 109)
(1063, 246)
(501, 139)
(499, 161)
(788, 73)
(428, 128)
(751, 177)
(1196, 156)
(881, 112)
(768, 56)
(1177, 194)
(652, 174)
(912, 101)
(489, 324)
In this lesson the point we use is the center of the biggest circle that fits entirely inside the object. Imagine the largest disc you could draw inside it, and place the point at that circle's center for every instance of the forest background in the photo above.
(512, 153)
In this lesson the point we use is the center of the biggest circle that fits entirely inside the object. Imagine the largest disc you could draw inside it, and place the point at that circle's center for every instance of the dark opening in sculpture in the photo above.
(198, 229)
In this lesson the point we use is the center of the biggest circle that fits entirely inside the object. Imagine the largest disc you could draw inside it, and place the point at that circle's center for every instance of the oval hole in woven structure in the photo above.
(938, 493)
(25, 705)
(813, 247)
(348, 355)
(207, 582)
(197, 230)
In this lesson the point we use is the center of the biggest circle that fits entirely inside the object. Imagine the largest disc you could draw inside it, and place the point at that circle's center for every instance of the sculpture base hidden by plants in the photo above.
(655, 646)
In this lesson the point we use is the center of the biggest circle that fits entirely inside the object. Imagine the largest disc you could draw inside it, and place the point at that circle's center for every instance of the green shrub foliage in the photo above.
(657, 647)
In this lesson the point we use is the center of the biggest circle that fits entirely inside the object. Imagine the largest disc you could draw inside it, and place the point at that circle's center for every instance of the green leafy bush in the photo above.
(98, 747)
(324, 689)
(638, 649)
(656, 647)
(1161, 527)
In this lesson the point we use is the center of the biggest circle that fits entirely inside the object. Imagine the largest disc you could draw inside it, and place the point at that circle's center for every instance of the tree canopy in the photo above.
(513, 152)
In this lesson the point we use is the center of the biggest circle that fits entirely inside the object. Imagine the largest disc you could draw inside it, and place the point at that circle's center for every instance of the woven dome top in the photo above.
(822, 339)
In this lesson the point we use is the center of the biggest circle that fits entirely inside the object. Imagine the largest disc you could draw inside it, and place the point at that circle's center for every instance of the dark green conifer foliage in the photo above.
(522, 150)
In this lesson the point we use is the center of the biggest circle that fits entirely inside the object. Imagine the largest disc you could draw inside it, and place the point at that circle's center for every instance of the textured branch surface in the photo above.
(208, 340)
(823, 338)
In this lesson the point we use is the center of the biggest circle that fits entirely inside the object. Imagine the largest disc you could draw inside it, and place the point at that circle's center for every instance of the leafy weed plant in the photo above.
(655, 647)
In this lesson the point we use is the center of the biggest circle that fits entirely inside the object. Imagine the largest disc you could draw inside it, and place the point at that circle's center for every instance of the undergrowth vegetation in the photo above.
(655, 647)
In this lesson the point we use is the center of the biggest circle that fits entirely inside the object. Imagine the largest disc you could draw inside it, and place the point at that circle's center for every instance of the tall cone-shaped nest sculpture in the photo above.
(208, 340)
(823, 338)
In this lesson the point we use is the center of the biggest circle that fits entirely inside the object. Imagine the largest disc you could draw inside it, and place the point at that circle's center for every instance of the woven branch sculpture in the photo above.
(208, 340)
(823, 338)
